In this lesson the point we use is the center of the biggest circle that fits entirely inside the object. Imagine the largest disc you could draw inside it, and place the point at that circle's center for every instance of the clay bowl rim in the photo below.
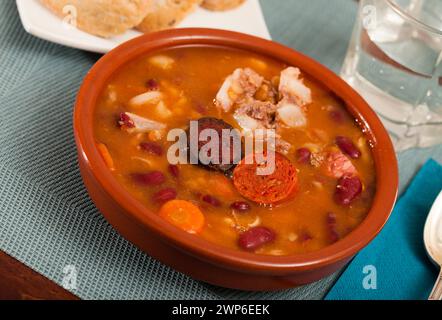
(383, 152)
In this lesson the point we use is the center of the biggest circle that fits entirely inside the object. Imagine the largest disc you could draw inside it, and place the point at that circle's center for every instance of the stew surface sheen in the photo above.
(189, 79)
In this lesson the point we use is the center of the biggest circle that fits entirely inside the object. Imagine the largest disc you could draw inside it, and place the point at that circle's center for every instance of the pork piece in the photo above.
(263, 114)
(292, 87)
(240, 85)
(291, 114)
(255, 114)
(282, 146)
(337, 165)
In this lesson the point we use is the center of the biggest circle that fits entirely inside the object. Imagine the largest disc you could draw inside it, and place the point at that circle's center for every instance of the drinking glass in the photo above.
(395, 62)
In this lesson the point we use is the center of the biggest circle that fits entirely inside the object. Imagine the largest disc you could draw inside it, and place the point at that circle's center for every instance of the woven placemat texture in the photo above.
(47, 220)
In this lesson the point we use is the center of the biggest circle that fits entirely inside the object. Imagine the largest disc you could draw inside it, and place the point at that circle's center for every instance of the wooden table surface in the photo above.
(18, 282)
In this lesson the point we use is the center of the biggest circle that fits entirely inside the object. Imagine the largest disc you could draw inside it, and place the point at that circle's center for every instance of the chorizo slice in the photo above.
(218, 126)
(269, 189)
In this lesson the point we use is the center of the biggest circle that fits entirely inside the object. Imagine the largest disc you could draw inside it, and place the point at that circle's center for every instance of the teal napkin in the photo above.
(395, 265)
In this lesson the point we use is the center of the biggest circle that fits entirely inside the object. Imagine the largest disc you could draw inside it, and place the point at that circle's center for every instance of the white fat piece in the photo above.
(143, 125)
(150, 97)
(242, 83)
(223, 99)
(247, 124)
(292, 87)
(290, 114)
(162, 62)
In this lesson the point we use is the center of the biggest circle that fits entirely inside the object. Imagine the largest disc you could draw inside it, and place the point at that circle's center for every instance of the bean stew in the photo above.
(323, 182)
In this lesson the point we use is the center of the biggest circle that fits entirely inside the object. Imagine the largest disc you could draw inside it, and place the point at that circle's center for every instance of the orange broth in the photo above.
(189, 86)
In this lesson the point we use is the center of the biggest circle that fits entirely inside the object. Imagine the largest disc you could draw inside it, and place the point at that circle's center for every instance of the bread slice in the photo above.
(221, 5)
(166, 14)
(104, 18)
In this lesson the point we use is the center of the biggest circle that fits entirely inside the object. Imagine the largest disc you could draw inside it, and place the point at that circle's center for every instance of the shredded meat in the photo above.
(263, 112)
(267, 93)
(263, 104)
(283, 146)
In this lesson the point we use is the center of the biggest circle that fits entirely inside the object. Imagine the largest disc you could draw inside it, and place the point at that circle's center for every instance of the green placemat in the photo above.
(47, 220)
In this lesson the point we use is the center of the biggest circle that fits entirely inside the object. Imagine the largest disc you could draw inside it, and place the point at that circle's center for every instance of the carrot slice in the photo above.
(106, 156)
(184, 215)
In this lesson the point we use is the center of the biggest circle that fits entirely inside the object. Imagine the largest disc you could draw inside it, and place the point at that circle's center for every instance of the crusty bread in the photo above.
(105, 18)
(166, 14)
(221, 5)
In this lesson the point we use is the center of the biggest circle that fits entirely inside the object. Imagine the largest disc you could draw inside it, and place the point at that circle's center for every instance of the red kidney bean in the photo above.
(333, 233)
(152, 84)
(201, 108)
(174, 170)
(255, 237)
(211, 200)
(348, 147)
(305, 236)
(126, 121)
(303, 155)
(153, 178)
(197, 194)
(333, 236)
(240, 206)
(331, 219)
(348, 188)
(152, 148)
(337, 116)
(164, 195)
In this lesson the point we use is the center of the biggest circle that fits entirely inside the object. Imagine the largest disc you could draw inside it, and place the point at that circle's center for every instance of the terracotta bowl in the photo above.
(192, 255)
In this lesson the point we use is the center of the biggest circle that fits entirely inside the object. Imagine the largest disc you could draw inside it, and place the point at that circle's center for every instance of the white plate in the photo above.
(40, 22)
